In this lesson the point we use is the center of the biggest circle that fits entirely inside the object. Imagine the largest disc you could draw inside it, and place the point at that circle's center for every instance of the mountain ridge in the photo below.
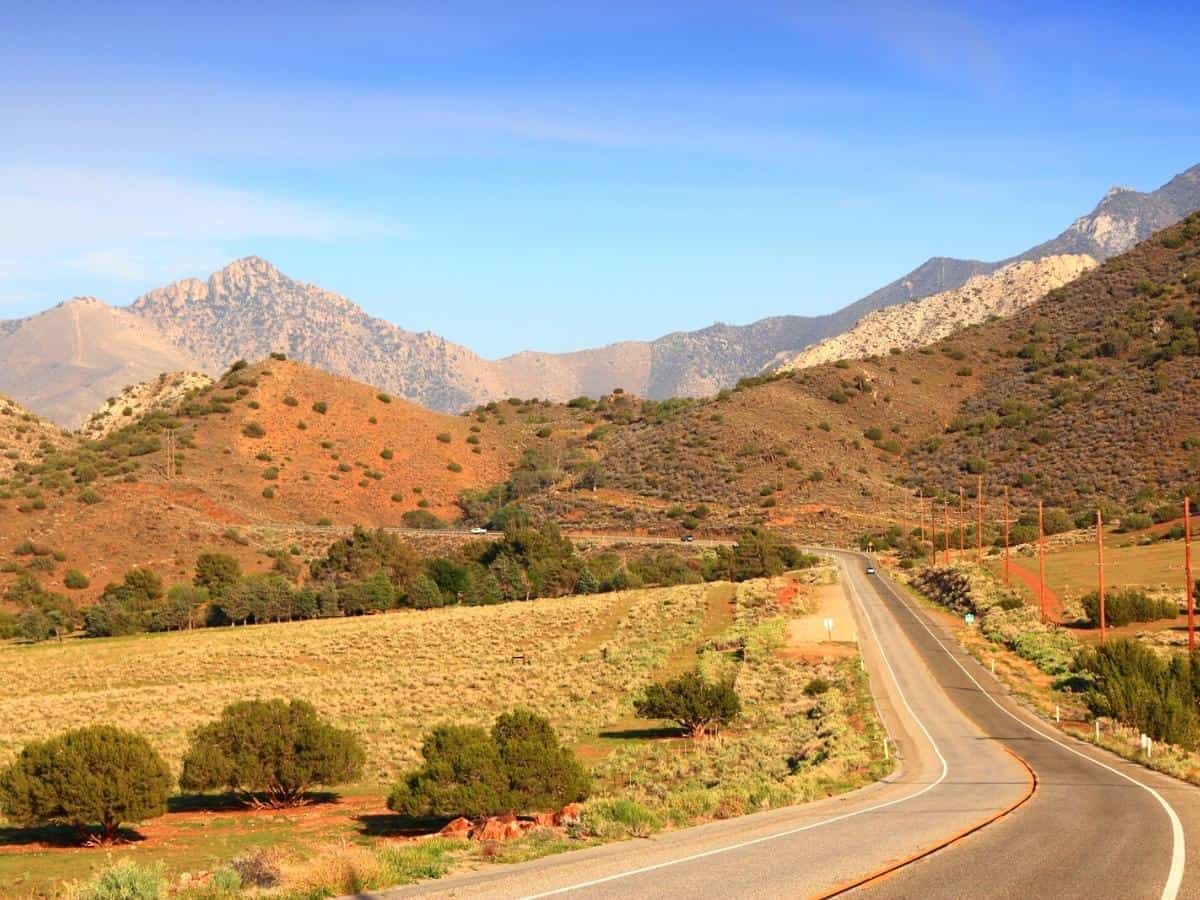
(249, 309)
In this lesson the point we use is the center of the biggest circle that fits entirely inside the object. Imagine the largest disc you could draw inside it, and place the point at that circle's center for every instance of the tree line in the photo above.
(371, 571)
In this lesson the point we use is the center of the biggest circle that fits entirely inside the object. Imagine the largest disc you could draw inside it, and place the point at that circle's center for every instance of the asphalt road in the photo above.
(961, 813)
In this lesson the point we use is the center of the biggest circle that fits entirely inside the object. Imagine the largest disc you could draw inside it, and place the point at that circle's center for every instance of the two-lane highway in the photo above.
(960, 818)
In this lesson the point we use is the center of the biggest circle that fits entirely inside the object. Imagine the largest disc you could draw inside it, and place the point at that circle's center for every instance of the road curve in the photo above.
(1094, 827)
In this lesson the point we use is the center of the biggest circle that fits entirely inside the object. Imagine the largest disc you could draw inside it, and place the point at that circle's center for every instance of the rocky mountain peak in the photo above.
(245, 276)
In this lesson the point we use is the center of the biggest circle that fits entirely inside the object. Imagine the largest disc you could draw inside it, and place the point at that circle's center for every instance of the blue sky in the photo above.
(562, 175)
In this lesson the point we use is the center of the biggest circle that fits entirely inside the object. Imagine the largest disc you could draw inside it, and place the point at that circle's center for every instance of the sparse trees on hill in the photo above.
(271, 752)
(98, 776)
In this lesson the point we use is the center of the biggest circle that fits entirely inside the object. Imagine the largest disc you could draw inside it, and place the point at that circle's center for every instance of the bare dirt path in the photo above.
(1030, 579)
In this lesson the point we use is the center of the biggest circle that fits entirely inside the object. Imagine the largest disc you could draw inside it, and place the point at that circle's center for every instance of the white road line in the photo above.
(1175, 874)
(782, 834)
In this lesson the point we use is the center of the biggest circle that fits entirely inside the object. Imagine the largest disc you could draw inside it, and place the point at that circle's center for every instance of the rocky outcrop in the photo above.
(136, 400)
(1125, 217)
(1000, 294)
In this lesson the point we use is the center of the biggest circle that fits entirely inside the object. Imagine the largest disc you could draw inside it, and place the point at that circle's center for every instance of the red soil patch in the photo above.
(1030, 579)
(787, 594)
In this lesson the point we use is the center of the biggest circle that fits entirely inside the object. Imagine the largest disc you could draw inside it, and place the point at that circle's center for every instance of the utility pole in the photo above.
(962, 523)
(946, 522)
(1041, 562)
(1007, 566)
(921, 512)
(979, 519)
(1100, 564)
(1190, 599)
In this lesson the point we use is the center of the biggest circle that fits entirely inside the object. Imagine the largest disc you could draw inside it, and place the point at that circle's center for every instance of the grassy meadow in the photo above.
(1071, 571)
(391, 677)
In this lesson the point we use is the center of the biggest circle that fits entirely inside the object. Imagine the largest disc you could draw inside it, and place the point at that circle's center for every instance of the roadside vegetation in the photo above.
(1130, 686)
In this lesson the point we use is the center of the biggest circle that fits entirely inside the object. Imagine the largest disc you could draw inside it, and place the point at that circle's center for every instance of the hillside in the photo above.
(1087, 396)
(276, 443)
(24, 437)
(903, 326)
(138, 400)
(1090, 395)
(66, 362)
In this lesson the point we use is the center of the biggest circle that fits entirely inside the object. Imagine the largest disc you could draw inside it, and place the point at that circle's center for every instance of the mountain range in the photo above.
(1084, 396)
(67, 361)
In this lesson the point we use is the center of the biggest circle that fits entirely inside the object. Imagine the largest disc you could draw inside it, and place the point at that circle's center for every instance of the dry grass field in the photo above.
(391, 677)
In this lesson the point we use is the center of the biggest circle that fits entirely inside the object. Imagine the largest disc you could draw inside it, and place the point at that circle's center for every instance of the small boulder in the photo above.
(458, 828)
(493, 830)
(571, 814)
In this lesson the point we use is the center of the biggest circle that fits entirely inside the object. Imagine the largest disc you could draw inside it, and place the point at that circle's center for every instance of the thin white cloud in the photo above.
(58, 206)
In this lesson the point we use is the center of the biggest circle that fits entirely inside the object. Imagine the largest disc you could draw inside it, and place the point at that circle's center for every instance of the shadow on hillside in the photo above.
(644, 734)
(57, 836)
(182, 803)
(394, 825)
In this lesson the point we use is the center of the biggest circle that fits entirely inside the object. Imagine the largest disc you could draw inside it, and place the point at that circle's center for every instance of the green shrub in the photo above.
(1134, 522)
(542, 775)
(125, 880)
(618, 817)
(454, 467)
(253, 430)
(423, 519)
(690, 701)
(271, 748)
(816, 687)
(75, 580)
(463, 775)
(1126, 605)
(384, 398)
(94, 776)
(386, 453)
(1137, 687)
(444, 437)
(519, 767)
(320, 407)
